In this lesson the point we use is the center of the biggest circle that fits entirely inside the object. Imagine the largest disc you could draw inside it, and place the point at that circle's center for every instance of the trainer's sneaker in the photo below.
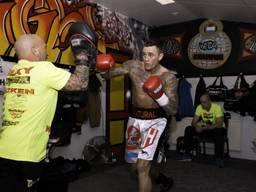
(220, 162)
(166, 186)
(186, 157)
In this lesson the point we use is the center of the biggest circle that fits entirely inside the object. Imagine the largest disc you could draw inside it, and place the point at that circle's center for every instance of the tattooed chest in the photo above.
(138, 76)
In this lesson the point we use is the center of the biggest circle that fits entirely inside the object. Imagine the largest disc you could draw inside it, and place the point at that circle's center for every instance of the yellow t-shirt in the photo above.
(211, 115)
(28, 108)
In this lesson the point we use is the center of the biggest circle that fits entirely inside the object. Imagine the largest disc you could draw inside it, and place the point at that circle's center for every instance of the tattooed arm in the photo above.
(117, 71)
(170, 89)
(78, 80)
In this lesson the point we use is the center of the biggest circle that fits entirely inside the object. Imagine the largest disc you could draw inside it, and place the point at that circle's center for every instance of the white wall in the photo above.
(75, 149)
(5, 67)
(242, 130)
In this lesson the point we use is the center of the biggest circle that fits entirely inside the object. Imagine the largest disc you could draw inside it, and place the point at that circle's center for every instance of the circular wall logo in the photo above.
(211, 47)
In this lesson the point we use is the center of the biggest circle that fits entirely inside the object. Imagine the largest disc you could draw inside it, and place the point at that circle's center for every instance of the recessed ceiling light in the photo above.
(165, 2)
(175, 13)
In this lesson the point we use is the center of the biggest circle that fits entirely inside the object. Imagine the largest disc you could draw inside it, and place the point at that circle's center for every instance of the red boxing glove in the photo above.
(153, 86)
(104, 62)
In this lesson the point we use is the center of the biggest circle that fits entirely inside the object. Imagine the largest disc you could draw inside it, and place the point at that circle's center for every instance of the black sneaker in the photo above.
(220, 162)
(186, 157)
(167, 185)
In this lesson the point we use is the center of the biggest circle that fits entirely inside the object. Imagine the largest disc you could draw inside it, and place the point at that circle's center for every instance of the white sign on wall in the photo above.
(5, 67)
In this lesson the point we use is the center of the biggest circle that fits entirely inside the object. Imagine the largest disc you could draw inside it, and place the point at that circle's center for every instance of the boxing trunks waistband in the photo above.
(141, 113)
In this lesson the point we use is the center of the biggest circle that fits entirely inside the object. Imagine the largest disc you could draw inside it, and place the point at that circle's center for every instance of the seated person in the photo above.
(208, 121)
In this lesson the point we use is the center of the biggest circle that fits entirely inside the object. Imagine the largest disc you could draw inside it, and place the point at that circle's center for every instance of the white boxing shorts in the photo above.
(142, 134)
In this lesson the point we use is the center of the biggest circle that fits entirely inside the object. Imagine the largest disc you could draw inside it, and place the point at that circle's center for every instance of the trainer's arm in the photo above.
(78, 80)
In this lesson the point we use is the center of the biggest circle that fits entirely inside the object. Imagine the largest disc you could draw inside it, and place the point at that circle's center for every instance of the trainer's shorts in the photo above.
(142, 135)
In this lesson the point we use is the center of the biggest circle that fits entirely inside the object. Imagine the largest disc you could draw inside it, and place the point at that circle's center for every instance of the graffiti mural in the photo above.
(48, 19)
(140, 32)
(51, 21)
(121, 33)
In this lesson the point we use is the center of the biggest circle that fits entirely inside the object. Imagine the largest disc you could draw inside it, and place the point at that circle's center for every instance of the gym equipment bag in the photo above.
(217, 92)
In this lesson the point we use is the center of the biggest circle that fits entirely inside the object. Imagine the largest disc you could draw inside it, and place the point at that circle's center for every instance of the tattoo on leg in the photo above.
(31, 182)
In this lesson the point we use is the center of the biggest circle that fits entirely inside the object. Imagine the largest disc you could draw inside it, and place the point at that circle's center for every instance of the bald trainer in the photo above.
(28, 108)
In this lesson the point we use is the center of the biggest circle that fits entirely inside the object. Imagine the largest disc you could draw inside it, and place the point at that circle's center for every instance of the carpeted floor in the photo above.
(197, 176)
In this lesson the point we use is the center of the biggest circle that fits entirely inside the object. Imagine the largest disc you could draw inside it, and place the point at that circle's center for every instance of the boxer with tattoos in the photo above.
(30, 101)
(154, 98)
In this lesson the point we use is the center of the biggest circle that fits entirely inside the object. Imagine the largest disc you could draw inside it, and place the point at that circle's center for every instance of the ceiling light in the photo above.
(165, 2)
(175, 13)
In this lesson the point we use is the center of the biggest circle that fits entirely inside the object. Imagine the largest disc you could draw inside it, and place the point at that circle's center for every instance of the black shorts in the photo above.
(141, 113)
(14, 174)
